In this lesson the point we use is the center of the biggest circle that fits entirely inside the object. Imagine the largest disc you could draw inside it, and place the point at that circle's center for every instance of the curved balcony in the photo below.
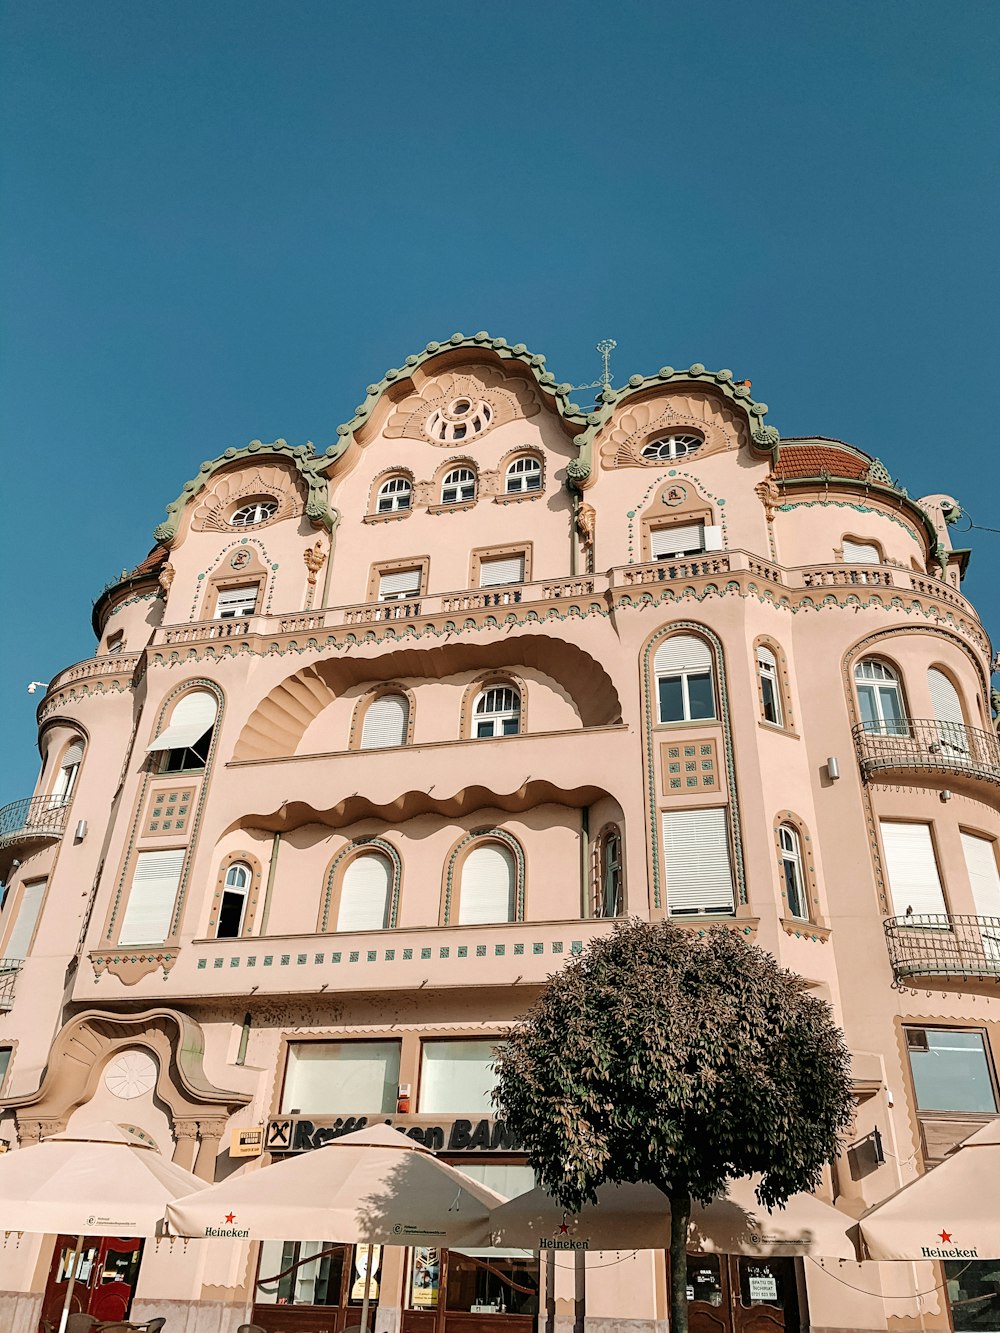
(9, 968)
(34, 819)
(913, 746)
(944, 947)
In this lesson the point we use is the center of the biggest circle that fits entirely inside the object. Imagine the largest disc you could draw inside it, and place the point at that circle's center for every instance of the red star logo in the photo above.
(564, 1230)
(945, 1237)
(230, 1217)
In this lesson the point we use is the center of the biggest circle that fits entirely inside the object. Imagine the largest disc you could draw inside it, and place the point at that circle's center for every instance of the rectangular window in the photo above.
(341, 1078)
(399, 584)
(150, 906)
(913, 874)
(677, 540)
(696, 862)
(5, 1053)
(495, 573)
(19, 941)
(233, 602)
(951, 1070)
(457, 1077)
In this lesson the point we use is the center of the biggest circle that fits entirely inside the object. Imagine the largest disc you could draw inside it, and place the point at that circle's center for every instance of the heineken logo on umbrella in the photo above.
(230, 1229)
(947, 1249)
(562, 1240)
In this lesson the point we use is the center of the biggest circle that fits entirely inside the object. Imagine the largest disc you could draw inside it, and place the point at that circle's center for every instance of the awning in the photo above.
(191, 719)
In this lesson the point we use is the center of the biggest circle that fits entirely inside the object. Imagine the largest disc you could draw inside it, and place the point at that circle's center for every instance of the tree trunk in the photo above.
(680, 1216)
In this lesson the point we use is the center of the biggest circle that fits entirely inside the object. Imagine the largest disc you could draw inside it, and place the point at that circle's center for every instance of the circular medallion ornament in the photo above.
(130, 1075)
(240, 559)
(674, 495)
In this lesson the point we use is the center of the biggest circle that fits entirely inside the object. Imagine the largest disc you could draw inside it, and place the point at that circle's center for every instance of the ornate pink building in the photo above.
(377, 736)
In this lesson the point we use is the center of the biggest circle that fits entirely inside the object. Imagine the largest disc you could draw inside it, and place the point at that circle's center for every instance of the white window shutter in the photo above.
(713, 537)
(385, 722)
(680, 539)
(766, 658)
(696, 861)
(27, 917)
(487, 893)
(364, 894)
(74, 755)
(861, 553)
(682, 652)
(912, 869)
(233, 602)
(151, 901)
(399, 583)
(191, 718)
(944, 697)
(981, 863)
(510, 569)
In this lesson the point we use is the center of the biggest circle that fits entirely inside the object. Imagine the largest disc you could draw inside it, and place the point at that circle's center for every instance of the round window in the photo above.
(461, 419)
(257, 512)
(671, 446)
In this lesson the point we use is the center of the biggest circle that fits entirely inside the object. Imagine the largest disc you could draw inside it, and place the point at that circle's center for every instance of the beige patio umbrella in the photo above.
(638, 1217)
(950, 1212)
(96, 1181)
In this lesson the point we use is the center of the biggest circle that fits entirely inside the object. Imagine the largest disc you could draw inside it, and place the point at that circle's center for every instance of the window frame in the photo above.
(512, 472)
(378, 511)
(685, 676)
(177, 759)
(991, 1071)
(255, 505)
(880, 725)
(229, 891)
(346, 1041)
(234, 585)
(609, 834)
(368, 850)
(791, 857)
(433, 1041)
(769, 674)
(671, 438)
(461, 481)
(499, 716)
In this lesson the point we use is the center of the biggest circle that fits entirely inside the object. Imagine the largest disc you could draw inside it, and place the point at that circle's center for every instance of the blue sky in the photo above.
(221, 221)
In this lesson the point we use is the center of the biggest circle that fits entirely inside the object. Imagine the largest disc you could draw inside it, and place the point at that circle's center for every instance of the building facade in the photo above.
(378, 736)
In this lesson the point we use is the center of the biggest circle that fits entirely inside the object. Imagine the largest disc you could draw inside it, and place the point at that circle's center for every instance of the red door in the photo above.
(730, 1295)
(107, 1269)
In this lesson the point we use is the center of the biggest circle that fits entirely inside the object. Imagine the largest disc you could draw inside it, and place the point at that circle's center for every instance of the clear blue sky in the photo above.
(220, 221)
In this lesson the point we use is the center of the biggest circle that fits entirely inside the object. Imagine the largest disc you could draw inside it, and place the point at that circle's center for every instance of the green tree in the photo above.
(681, 1060)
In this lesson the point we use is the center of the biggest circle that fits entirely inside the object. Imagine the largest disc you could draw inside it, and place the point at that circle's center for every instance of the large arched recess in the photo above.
(278, 723)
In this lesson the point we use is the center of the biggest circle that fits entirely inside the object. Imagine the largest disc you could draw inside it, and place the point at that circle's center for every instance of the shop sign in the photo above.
(763, 1288)
(247, 1142)
(294, 1134)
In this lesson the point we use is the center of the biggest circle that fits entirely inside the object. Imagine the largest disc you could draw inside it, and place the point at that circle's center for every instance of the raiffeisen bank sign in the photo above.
(294, 1134)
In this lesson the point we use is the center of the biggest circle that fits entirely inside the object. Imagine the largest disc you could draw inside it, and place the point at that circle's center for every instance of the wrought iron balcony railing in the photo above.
(931, 945)
(928, 745)
(33, 817)
(9, 968)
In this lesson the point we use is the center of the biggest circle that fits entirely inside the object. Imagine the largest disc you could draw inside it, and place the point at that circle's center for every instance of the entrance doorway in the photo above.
(107, 1269)
(475, 1291)
(727, 1294)
(314, 1286)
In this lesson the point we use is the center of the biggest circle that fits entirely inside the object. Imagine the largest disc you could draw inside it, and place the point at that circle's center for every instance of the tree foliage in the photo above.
(681, 1060)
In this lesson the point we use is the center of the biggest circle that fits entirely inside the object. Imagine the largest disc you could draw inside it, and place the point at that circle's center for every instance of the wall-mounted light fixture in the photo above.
(81, 830)
(946, 795)
(833, 768)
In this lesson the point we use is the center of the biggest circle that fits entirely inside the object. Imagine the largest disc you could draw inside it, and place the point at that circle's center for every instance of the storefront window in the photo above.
(973, 1294)
(951, 1070)
(316, 1272)
(341, 1077)
(704, 1279)
(457, 1077)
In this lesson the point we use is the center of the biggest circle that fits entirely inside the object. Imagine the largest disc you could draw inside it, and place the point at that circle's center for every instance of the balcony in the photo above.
(9, 968)
(919, 746)
(954, 948)
(34, 819)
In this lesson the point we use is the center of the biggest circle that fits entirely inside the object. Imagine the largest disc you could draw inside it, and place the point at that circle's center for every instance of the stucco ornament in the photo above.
(460, 407)
(766, 437)
(166, 576)
(268, 480)
(674, 496)
(315, 558)
(769, 494)
(707, 414)
(130, 1074)
(586, 523)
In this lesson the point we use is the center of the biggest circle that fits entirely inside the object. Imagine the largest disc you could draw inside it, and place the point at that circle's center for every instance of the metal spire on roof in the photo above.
(606, 346)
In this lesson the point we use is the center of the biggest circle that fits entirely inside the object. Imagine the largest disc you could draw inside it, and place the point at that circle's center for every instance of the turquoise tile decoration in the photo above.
(463, 951)
(557, 946)
(407, 955)
(425, 953)
(518, 950)
(354, 956)
(538, 948)
(390, 955)
(252, 960)
(576, 946)
(217, 962)
(301, 958)
(499, 950)
(335, 958)
(317, 957)
(286, 958)
(234, 962)
(480, 950)
(445, 952)
(268, 959)
(372, 955)
(202, 962)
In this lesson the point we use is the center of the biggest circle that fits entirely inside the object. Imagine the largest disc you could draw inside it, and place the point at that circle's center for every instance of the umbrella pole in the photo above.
(70, 1283)
(368, 1290)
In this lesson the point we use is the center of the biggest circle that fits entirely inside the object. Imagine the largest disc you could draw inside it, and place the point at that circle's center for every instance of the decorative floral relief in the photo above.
(274, 481)
(721, 427)
(437, 411)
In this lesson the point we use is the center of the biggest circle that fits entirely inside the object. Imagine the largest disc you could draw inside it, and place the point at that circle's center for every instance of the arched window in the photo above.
(770, 690)
(365, 893)
(259, 511)
(684, 688)
(791, 869)
(880, 698)
(671, 446)
(609, 885)
(861, 553)
(68, 770)
(947, 704)
(386, 722)
(233, 907)
(184, 743)
(394, 495)
(524, 474)
(487, 891)
(462, 419)
(497, 712)
(458, 486)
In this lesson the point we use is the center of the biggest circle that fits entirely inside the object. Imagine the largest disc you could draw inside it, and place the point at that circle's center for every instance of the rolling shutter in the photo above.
(680, 653)
(912, 869)
(487, 887)
(400, 583)
(364, 894)
(74, 755)
(27, 917)
(385, 722)
(861, 553)
(696, 861)
(981, 863)
(191, 719)
(679, 539)
(151, 902)
(944, 697)
(492, 573)
(766, 658)
(234, 602)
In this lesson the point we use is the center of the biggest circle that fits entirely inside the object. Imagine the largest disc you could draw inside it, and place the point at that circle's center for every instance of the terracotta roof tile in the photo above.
(812, 460)
(156, 558)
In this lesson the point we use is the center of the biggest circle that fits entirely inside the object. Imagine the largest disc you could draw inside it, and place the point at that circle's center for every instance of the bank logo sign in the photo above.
(947, 1249)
